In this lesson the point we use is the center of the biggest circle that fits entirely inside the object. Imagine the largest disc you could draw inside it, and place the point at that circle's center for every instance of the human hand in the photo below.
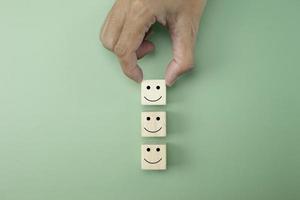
(128, 22)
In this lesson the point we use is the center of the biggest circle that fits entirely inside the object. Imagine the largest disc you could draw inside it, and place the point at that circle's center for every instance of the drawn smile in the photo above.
(151, 100)
(153, 131)
(153, 162)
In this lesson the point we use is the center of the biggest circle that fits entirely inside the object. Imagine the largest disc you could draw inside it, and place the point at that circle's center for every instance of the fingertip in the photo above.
(139, 77)
(130, 67)
(135, 73)
(171, 73)
(170, 80)
(145, 48)
(150, 47)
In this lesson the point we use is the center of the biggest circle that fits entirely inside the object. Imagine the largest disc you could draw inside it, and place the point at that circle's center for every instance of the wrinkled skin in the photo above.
(125, 30)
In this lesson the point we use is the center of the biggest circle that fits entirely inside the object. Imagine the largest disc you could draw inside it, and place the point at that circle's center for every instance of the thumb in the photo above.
(183, 33)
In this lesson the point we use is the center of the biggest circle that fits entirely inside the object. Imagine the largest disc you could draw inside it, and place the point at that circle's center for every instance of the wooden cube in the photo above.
(153, 124)
(154, 157)
(153, 92)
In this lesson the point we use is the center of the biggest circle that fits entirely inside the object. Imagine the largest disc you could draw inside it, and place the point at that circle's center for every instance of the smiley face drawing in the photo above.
(153, 157)
(153, 92)
(153, 124)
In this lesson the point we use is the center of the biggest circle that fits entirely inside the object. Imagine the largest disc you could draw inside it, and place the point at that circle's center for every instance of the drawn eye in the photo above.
(148, 149)
(157, 118)
(157, 149)
(148, 87)
(148, 118)
(158, 87)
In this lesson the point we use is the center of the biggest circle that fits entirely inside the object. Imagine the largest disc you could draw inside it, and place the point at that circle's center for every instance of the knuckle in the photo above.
(186, 64)
(137, 5)
(140, 9)
(120, 50)
(185, 68)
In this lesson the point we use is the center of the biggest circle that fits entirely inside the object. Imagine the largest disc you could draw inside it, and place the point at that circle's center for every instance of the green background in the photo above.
(70, 121)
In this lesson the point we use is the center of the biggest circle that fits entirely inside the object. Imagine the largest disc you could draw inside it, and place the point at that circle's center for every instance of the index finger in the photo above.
(134, 30)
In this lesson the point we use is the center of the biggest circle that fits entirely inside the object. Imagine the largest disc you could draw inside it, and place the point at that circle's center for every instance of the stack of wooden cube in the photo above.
(153, 124)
